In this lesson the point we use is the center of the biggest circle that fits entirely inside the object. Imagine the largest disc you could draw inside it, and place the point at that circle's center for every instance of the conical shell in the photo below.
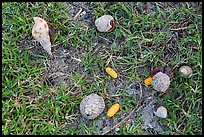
(104, 24)
(161, 112)
(186, 71)
(40, 32)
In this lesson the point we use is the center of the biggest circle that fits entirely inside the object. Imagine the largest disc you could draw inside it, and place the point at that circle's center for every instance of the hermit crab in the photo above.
(160, 79)
(186, 71)
(92, 106)
(40, 32)
(105, 23)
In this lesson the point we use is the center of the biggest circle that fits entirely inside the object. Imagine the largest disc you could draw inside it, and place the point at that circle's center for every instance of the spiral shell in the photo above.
(161, 112)
(186, 71)
(40, 32)
(105, 23)
(92, 106)
(160, 82)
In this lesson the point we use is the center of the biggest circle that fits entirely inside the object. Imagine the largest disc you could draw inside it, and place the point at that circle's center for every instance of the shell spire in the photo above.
(40, 32)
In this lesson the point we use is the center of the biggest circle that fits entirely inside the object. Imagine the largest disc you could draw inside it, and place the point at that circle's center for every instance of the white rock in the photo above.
(161, 112)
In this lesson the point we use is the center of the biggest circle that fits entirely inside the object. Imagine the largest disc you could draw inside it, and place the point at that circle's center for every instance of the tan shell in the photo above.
(92, 106)
(103, 23)
(160, 82)
(40, 32)
(186, 71)
(161, 112)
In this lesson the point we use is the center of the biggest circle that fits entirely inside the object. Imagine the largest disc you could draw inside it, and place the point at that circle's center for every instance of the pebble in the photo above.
(117, 129)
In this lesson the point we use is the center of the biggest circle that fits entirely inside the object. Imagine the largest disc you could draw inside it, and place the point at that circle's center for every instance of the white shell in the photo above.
(186, 71)
(161, 112)
(40, 32)
(160, 82)
(103, 23)
(92, 106)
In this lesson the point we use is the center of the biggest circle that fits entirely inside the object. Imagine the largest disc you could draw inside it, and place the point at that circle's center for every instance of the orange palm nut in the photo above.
(148, 81)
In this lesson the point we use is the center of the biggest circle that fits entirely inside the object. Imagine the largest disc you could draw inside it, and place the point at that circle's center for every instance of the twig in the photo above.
(82, 7)
(141, 91)
(179, 28)
(96, 49)
(75, 17)
(30, 47)
(109, 59)
(105, 39)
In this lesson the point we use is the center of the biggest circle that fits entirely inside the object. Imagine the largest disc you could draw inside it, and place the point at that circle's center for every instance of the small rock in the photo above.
(117, 129)
(161, 112)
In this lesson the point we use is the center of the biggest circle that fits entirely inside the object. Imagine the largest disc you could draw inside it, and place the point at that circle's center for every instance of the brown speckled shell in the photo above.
(92, 106)
(40, 32)
(160, 82)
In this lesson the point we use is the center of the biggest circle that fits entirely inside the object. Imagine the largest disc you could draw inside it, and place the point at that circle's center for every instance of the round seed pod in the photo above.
(92, 106)
(40, 32)
(160, 82)
(105, 23)
(161, 112)
(186, 71)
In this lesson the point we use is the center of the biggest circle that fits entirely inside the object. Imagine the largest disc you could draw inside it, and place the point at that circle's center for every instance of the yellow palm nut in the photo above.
(148, 81)
(113, 110)
(111, 72)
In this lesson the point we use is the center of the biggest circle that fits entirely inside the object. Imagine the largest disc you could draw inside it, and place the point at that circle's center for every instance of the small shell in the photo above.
(113, 110)
(92, 106)
(161, 112)
(111, 72)
(105, 23)
(148, 81)
(186, 71)
(40, 32)
(160, 82)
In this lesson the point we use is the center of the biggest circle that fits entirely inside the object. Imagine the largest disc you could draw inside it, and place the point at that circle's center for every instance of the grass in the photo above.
(139, 43)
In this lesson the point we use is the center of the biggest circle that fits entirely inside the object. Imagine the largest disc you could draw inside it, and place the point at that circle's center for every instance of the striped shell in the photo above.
(40, 32)
(92, 106)
(105, 23)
